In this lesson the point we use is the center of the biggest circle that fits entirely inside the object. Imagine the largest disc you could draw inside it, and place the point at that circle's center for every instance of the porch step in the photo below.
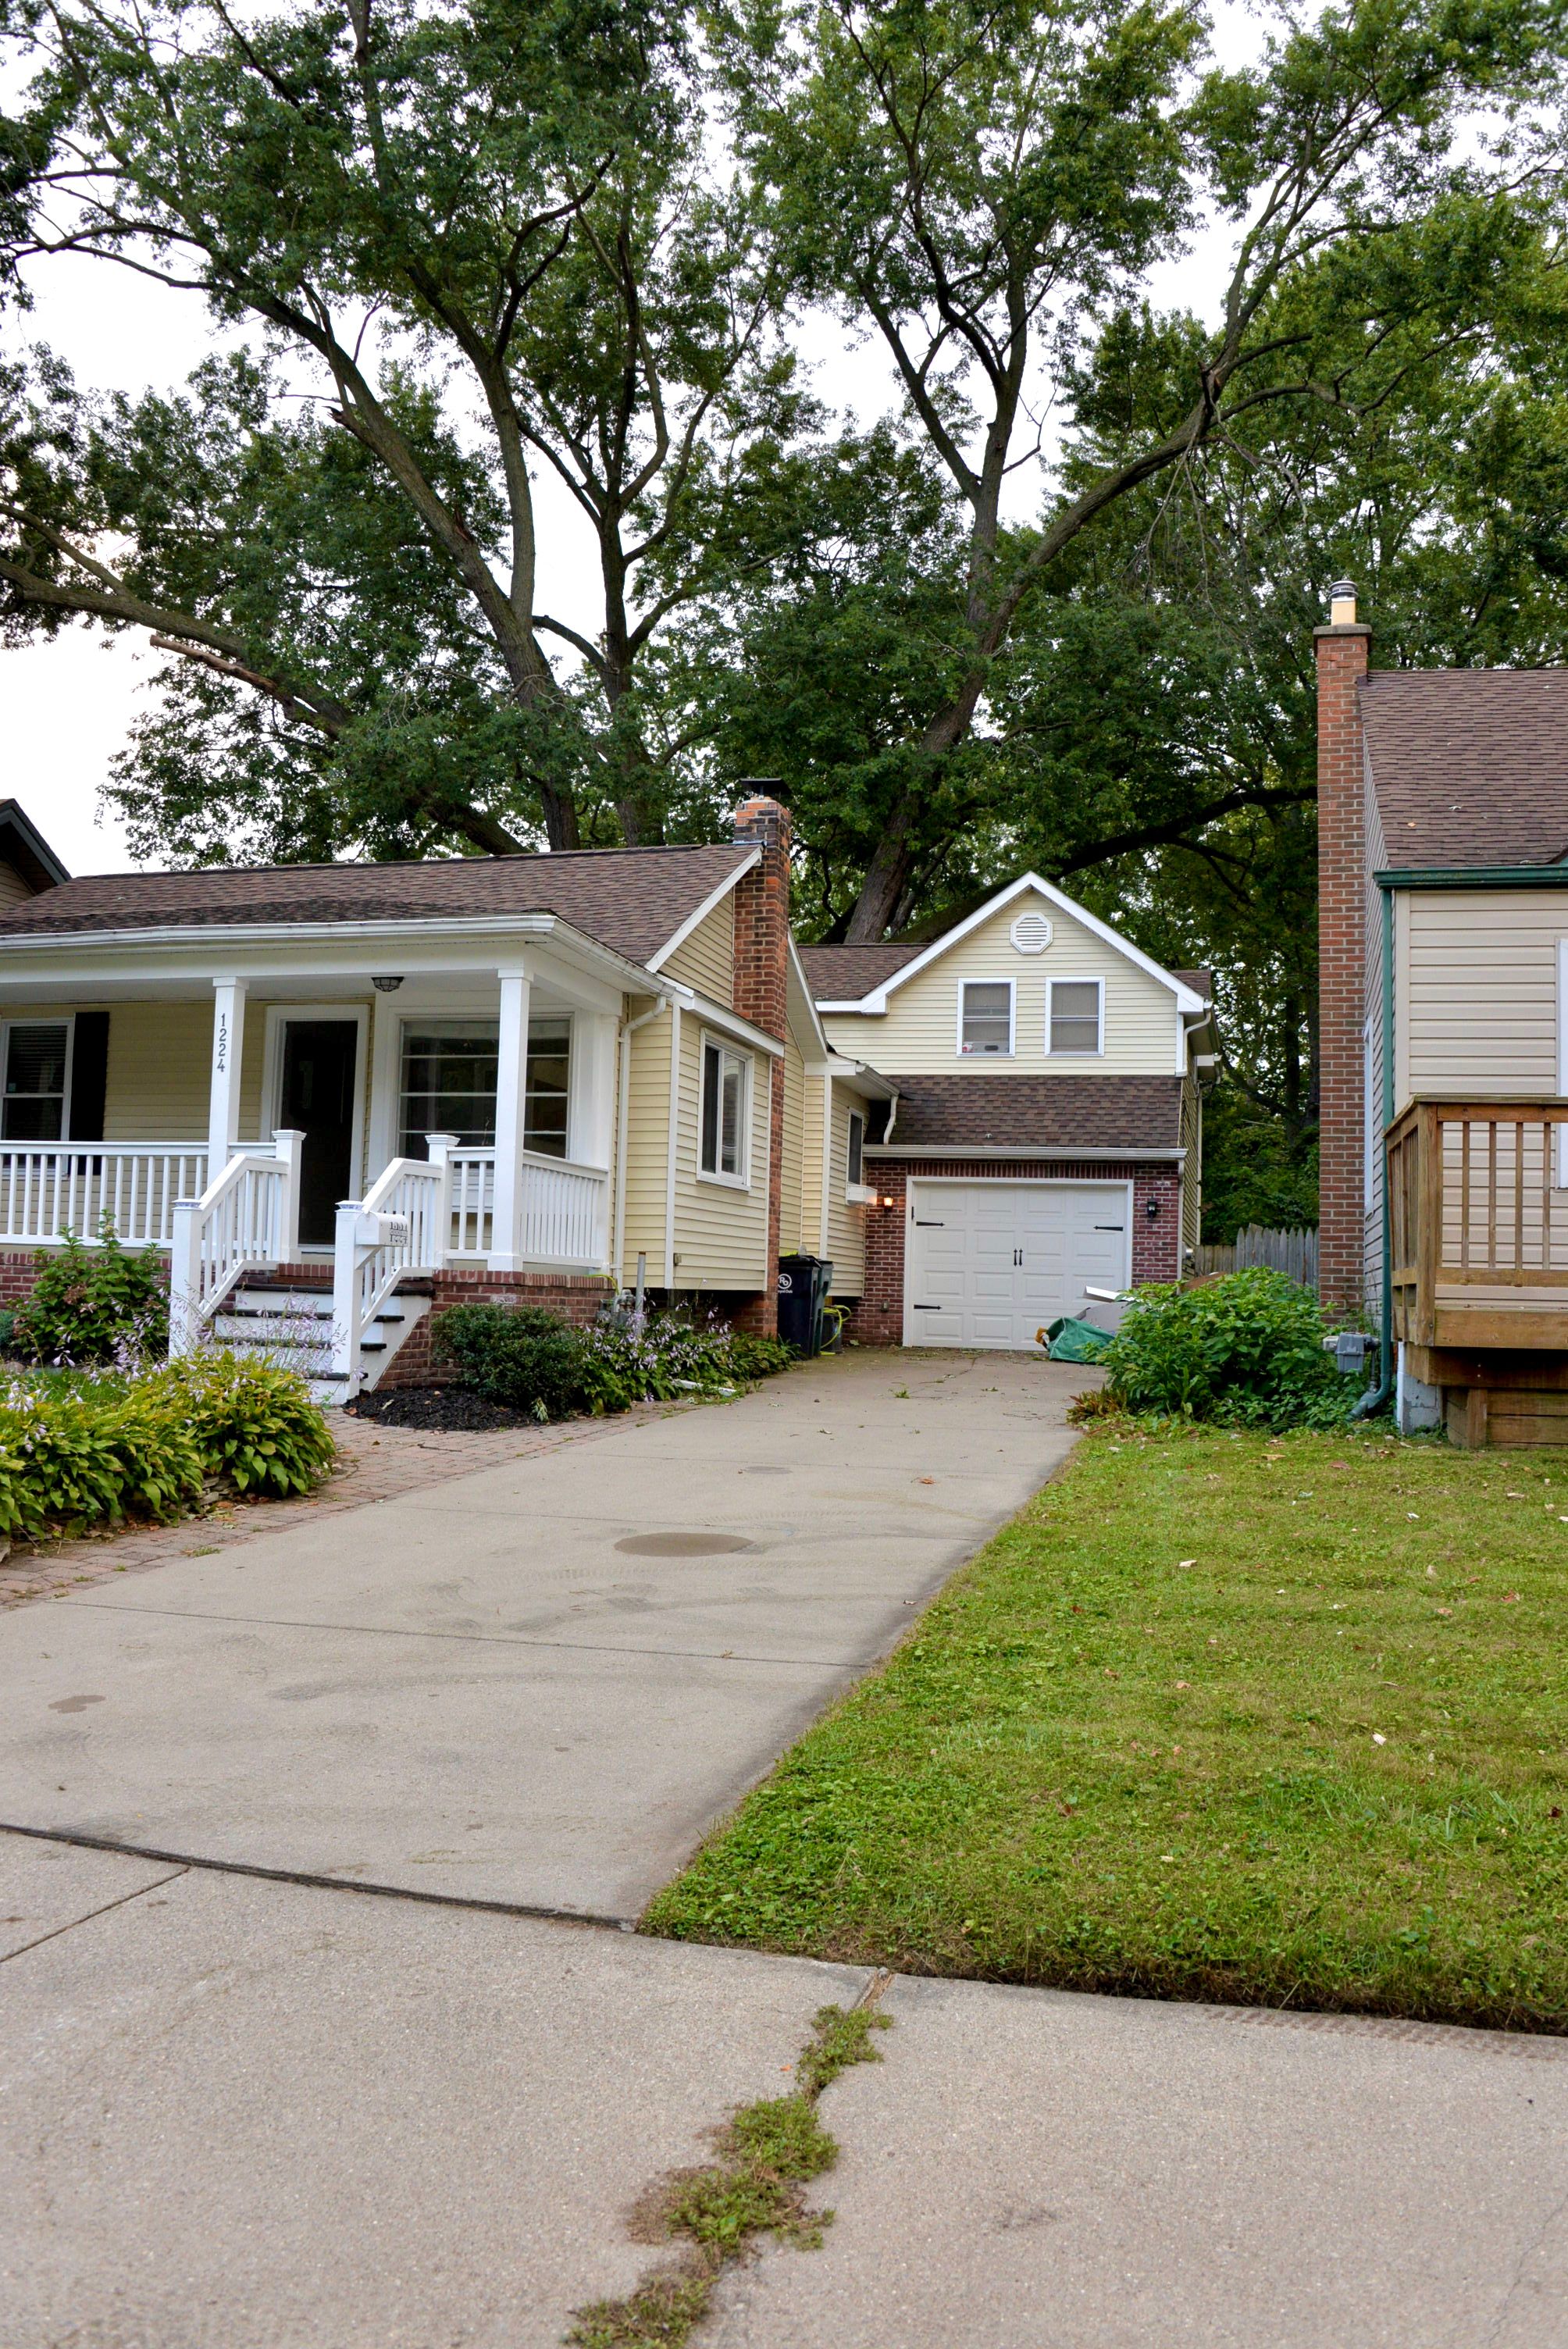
(292, 1324)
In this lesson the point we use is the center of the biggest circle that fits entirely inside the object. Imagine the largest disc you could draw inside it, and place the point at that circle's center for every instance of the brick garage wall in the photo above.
(1342, 962)
(877, 1317)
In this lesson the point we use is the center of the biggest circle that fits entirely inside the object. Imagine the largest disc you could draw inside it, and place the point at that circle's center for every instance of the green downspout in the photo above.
(1375, 1397)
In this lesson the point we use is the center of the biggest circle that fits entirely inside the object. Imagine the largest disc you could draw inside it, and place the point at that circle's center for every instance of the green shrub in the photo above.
(92, 1305)
(528, 1360)
(1246, 1350)
(72, 1460)
(78, 1453)
(253, 1421)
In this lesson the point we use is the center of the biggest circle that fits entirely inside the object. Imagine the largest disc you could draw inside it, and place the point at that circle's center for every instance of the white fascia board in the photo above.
(798, 974)
(80, 956)
(876, 1000)
(857, 1075)
(1055, 1155)
(715, 897)
(717, 1015)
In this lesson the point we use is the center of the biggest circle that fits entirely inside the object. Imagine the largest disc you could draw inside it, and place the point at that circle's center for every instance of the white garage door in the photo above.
(987, 1264)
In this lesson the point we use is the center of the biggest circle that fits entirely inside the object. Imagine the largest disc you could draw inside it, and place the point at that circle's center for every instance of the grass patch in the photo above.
(767, 2153)
(1271, 1720)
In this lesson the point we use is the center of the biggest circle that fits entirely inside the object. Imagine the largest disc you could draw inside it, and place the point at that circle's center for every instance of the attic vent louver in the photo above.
(1031, 934)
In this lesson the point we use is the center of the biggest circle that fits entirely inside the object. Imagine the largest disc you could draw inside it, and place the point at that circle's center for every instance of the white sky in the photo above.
(65, 707)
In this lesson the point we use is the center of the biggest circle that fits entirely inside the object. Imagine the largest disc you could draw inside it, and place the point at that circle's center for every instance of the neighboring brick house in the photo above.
(1443, 864)
(1045, 1133)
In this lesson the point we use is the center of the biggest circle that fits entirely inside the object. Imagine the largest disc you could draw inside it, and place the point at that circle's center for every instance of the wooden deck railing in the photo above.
(1478, 1213)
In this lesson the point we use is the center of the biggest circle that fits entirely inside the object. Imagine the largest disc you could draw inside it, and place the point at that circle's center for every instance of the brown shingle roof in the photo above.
(843, 973)
(629, 899)
(1045, 1113)
(1469, 765)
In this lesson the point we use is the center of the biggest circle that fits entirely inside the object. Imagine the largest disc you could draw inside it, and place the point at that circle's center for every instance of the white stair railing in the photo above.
(398, 1229)
(49, 1188)
(246, 1218)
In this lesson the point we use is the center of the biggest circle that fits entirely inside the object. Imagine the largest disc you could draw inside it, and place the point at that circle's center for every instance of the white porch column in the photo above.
(591, 1129)
(223, 1096)
(510, 1095)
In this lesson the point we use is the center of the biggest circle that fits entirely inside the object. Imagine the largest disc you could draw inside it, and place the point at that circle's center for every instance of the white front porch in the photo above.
(369, 1125)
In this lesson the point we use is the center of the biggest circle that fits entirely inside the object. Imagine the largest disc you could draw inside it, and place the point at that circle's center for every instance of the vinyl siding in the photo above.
(647, 1128)
(812, 1198)
(721, 1232)
(1476, 972)
(918, 1030)
(706, 959)
(158, 1077)
(1372, 1187)
(795, 1188)
(13, 890)
(846, 1223)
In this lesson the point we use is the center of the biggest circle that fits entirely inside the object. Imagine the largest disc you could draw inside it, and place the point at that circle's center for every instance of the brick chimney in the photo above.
(1341, 650)
(762, 988)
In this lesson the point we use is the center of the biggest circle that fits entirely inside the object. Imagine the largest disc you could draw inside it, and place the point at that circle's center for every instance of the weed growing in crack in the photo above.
(767, 2153)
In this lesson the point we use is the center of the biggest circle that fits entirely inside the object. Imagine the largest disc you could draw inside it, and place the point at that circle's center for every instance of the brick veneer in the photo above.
(877, 1318)
(571, 1297)
(762, 996)
(1342, 962)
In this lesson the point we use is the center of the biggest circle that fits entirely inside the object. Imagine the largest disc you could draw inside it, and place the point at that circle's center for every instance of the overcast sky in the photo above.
(66, 706)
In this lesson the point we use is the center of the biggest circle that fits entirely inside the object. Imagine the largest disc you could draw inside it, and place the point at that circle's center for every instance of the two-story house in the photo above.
(1443, 887)
(1045, 1133)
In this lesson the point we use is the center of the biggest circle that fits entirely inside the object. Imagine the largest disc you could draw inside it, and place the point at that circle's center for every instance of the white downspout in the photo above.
(675, 1135)
(623, 1118)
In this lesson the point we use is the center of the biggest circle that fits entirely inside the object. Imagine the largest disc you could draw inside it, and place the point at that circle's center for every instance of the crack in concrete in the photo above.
(71, 1923)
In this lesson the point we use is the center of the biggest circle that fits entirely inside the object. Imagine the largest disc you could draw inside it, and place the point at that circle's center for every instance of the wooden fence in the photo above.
(1294, 1253)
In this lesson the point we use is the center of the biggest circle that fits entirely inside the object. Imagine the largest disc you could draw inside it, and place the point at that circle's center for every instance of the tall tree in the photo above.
(976, 182)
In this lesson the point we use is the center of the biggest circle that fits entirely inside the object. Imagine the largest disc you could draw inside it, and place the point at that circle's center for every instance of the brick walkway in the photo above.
(375, 1462)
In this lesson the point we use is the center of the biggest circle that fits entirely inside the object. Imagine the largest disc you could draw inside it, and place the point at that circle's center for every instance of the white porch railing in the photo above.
(401, 1227)
(564, 1208)
(49, 1188)
(247, 1218)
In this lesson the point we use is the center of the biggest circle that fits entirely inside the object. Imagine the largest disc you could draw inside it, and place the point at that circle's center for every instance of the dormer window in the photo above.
(986, 1016)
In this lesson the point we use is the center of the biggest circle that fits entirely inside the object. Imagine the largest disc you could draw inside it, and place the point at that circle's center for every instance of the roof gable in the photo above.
(875, 998)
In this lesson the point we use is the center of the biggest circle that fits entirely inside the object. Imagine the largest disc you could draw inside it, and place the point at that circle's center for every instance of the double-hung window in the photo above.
(986, 1016)
(37, 1080)
(725, 1087)
(449, 1084)
(1076, 1015)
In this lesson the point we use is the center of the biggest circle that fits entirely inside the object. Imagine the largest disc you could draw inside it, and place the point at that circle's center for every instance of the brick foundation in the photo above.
(571, 1297)
(877, 1318)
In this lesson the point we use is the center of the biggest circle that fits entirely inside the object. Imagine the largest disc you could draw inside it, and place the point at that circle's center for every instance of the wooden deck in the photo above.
(1478, 1225)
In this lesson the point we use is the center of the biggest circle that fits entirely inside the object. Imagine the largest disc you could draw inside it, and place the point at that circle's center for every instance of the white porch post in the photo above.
(441, 1147)
(287, 1144)
(510, 1099)
(224, 1097)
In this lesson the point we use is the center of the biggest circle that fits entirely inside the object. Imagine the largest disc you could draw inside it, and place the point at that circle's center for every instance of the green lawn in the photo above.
(1278, 1720)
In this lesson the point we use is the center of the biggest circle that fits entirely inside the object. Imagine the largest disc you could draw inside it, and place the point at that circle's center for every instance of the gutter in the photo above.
(1477, 876)
(1375, 1397)
(1055, 1153)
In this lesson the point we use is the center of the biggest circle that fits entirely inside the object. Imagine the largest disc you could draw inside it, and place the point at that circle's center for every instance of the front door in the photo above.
(317, 1098)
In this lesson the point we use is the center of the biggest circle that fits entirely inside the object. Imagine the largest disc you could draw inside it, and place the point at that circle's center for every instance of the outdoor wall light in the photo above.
(1152, 1209)
(386, 986)
(887, 1199)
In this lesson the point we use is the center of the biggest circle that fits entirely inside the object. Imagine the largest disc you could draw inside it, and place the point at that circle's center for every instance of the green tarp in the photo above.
(1074, 1341)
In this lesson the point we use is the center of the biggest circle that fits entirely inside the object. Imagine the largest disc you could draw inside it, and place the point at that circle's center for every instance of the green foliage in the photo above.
(79, 1453)
(1264, 1721)
(529, 1361)
(1246, 1351)
(253, 1422)
(92, 1305)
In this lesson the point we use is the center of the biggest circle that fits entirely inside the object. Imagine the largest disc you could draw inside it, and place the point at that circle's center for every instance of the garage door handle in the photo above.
(1017, 1255)
(1111, 1227)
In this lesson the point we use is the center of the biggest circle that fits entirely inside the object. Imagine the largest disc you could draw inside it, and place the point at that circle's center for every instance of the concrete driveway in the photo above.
(536, 1686)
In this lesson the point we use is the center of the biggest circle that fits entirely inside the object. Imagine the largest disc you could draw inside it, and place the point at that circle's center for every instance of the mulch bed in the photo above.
(441, 1409)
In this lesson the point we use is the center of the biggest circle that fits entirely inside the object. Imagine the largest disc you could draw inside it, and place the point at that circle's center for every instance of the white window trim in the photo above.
(1012, 987)
(66, 1019)
(726, 1045)
(1066, 978)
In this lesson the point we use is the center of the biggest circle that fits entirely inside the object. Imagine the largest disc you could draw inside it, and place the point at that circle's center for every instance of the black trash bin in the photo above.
(803, 1285)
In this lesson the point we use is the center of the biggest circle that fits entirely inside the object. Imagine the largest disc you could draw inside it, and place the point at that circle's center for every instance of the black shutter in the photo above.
(89, 1075)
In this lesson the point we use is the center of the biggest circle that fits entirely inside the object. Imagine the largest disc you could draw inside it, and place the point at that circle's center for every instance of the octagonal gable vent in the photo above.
(1031, 934)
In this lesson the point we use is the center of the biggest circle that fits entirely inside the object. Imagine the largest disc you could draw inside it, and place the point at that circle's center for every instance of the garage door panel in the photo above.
(1003, 1258)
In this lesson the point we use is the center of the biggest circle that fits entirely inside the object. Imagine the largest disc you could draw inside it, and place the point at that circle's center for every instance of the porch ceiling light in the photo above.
(386, 986)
